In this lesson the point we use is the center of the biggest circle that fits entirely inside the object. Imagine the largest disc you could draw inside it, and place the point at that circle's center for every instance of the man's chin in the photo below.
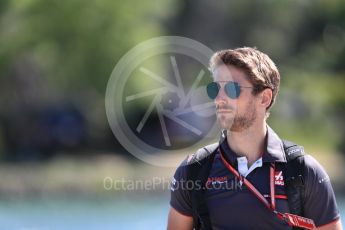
(223, 124)
(230, 125)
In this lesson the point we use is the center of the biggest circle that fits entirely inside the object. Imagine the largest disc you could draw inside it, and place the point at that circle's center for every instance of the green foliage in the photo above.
(310, 108)
(76, 43)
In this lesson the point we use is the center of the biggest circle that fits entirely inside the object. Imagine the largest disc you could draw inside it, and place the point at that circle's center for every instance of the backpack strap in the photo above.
(293, 177)
(200, 165)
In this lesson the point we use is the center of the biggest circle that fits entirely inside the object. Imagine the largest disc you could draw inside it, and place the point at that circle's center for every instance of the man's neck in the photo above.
(249, 143)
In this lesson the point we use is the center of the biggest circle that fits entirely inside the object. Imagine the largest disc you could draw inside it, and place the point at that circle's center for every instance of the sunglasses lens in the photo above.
(212, 90)
(232, 89)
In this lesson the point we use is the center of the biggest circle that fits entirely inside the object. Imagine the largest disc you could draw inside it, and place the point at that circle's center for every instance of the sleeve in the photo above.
(320, 203)
(180, 198)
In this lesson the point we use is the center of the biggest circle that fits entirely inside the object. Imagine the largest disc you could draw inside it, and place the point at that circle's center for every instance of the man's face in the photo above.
(234, 114)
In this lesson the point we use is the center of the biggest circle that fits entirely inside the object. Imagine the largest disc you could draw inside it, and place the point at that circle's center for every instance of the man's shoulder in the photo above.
(198, 156)
(202, 153)
(296, 153)
(192, 162)
(314, 168)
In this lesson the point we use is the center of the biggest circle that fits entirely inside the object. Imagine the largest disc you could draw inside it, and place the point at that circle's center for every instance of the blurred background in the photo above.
(57, 151)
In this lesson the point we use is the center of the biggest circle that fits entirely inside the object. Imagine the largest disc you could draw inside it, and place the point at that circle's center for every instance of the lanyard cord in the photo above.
(290, 219)
(251, 187)
(272, 186)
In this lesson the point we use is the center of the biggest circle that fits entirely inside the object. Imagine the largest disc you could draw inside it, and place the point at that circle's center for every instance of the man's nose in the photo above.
(221, 97)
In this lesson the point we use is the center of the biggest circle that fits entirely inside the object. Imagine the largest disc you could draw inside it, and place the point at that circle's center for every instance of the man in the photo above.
(246, 185)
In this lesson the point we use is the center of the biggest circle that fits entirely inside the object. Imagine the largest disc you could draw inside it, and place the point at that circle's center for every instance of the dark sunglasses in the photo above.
(231, 88)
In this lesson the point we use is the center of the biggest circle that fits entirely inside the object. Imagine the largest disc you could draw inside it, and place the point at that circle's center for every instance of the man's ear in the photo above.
(266, 97)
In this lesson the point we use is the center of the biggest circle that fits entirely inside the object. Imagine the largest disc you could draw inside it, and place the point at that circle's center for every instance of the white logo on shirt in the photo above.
(278, 178)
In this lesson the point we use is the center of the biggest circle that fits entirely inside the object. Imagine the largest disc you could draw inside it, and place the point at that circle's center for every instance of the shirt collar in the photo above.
(274, 148)
(230, 155)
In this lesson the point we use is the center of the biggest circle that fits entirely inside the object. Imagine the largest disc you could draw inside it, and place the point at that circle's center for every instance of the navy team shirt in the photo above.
(232, 205)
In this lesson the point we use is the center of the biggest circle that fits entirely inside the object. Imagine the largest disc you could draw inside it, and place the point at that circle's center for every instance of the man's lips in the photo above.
(224, 111)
